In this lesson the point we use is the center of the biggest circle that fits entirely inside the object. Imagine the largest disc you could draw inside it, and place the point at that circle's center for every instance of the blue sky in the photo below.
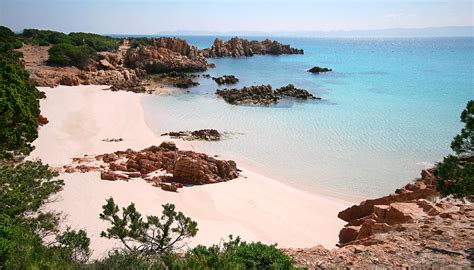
(153, 16)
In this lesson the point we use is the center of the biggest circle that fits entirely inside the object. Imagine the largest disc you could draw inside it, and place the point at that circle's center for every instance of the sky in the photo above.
(154, 16)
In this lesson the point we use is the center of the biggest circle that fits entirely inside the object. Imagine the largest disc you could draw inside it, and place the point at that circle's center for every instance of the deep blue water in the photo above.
(390, 107)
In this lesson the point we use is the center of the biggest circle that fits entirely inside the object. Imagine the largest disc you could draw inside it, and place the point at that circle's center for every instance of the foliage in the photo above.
(44, 37)
(75, 244)
(156, 235)
(97, 42)
(128, 260)
(463, 143)
(24, 188)
(233, 254)
(19, 108)
(8, 40)
(69, 55)
(135, 42)
(456, 173)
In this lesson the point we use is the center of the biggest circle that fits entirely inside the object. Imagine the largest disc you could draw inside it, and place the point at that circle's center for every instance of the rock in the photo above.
(399, 213)
(118, 167)
(69, 80)
(238, 47)
(186, 167)
(226, 79)
(202, 134)
(291, 91)
(348, 234)
(106, 65)
(110, 157)
(319, 70)
(261, 94)
(166, 55)
(42, 120)
(169, 187)
(111, 176)
(171, 146)
(175, 79)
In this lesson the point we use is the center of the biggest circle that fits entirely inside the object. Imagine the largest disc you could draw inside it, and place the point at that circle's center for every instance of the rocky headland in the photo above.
(410, 228)
(262, 94)
(124, 69)
(238, 47)
(201, 135)
(166, 55)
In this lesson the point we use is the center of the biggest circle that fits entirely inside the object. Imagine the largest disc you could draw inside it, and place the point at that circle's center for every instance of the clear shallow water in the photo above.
(390, 107)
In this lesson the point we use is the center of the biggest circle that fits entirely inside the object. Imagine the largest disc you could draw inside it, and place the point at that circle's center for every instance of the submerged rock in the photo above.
(202, 134)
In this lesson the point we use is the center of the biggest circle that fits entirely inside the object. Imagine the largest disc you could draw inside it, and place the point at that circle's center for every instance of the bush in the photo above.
(24, 188)
(156, 235)
(19, 108)
(44, 37)
(456, 173)
(69, 55)
(97, 42)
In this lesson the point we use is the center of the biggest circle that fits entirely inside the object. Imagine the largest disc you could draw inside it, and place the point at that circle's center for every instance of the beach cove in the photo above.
(253, 206)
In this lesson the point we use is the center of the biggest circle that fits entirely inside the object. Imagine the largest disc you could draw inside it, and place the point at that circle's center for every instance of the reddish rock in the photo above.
(348, 234)
(118, 167)
(107, 158)
(42, 120)
(169, 187)
(70, 80)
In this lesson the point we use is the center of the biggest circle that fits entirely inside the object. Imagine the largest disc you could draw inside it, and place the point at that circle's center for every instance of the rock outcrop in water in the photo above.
(202, 134)
(319, 70)
(262, 94)
(226, 79)
(166, 55)
(291, 91)
(238, 47)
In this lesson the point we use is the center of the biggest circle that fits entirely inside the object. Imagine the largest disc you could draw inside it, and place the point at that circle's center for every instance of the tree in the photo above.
(156, 235)
(24, 188)
(19, 108)
(463, 143)
(456, 173)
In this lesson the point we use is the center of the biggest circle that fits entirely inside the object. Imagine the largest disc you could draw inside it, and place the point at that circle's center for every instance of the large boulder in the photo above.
(166, 55)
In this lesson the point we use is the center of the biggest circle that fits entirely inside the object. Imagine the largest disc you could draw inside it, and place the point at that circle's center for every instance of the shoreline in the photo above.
(254, 206)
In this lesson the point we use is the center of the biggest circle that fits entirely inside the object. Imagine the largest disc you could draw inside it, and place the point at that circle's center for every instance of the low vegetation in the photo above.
(456, 172)
(19, 108)
(65, 54)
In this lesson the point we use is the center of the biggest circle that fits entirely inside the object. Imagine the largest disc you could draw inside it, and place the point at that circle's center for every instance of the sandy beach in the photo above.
(254, 206)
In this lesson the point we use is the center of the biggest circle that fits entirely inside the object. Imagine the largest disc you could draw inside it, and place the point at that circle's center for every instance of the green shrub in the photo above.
(97, 42)
(233, 254)
(44, 37)
(456, 173)
(19, 108)
(69, 55)
(155, 235)
(24, 188)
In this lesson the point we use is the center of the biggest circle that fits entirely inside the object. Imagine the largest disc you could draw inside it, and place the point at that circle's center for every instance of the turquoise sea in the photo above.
(389, 108)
